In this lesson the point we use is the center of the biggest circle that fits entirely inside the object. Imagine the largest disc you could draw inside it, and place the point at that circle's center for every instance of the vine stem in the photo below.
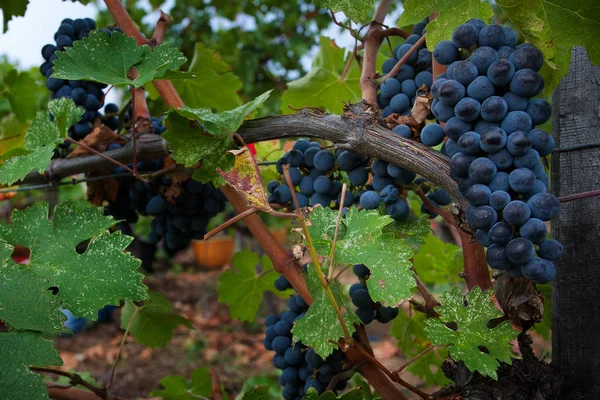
(343, 26)
(121, 345)
(335, 234)
(347, 67)
(412, 360)
(74, 378)
(315, 259)
(402, 61)
(432, 207)
(71, 393)
(230, 222)
(94, 151)
(579, 196)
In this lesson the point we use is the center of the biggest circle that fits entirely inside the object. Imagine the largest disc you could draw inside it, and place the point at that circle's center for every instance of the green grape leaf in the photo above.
(438, 261)
(39, 141)
(190, 145)
(256, 394)
(225, 122)
(361, 240)
(12, 135)
(452, 14)
(554, 27)
(412, 230)
(323, 87)
(355, 394)
(20, 350)
(243, 290)
(22, 93)
(177, 388)
(320, 323)
(108, 59)
(153, 323)
(12, 8)
(412, 340)
(356, 10)
(103, 274)
(472, 331)
(215, 85)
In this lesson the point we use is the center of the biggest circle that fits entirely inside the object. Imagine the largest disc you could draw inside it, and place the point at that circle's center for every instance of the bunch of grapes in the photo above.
(86, 94)
(317, 174)
(398, 94)
(368, 310)
(486, 100)
(301, 367)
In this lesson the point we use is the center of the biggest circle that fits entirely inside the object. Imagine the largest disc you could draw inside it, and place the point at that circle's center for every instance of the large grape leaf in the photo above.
(412, 230)
(224, 122)
(215, 85)
(412, 339)
(320, 323)
(39, 142)
(21, 350)
(23, 93)
(259, 393)
(472, 331)
(12, 134)
(452, 14)
(103, 274)
(356, 10)
(177, 387)
(108, 59)
(190, 145)
(153, 323)
(243, 291)
(362, 241)
(555, 26)
(312, 394)
(323, 87)
(438, 262)
(12, 8)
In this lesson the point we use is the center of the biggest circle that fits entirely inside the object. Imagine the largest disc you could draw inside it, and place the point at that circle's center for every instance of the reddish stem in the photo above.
(403, 60)
(94, 151)
(432, 207)
(124, 21)
(161, 28)
(579, 196)
(476, 272)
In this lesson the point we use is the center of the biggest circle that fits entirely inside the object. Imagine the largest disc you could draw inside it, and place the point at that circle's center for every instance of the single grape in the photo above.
(539, 270)
(550, 249)
(483, 57)
(494, 109)
(516, 213)
(445, 52)
(432, 134)
(499, 199)
(520, 251)
(493, 140)
(527, 83)
(479, 195)
(491, 35)
(464, 36)
(500, 233)
(481, 217)
(482, 170)
(403, 130)
(544, 206)
(369, 200)
(465, 72)
(467, 109)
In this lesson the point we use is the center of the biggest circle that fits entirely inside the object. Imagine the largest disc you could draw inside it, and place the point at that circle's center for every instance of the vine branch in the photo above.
(74, 379)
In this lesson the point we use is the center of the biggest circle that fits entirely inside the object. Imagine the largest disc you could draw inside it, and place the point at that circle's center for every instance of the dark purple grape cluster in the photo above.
(86, 94)
(398, 94)
(301, 367)
(487, 101)
(368, 310)
(317, 176)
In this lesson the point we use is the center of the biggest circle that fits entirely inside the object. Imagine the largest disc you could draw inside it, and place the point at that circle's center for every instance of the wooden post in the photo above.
(576, 289)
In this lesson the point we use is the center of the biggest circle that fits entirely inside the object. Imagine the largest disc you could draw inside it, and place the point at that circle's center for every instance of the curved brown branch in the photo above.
(75, 380)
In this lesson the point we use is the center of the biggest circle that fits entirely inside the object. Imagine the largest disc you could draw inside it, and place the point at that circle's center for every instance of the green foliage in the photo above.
(260, 385)
(190, 144)
(320, 323)
(555, 26)
(257, 394)
(177, 387)
(361, 240)
(12, 8)
(20, 350)
(412, 339)
(215, 85)
(108, 59)
(109, 274)
(323, 87)
(39, 142)
(438, 261)
(243, 291)
(356, 10)
(452, 14)
(412, 230)
(312, 394)
(472, 331)
(23, 93)
(153, 323)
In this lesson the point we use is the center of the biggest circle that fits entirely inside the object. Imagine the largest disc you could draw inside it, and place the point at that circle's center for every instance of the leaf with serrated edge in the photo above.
(153, 323)
(320, 323)
(554, 27)
(108, 58)
(472, 331)
(65, 114)
(191, 145)
(256, 394)
(452, 13)
(323, 87)
(312, 394)
(362, 241)
(243, 291)
(12, 8)
(21, 350)
(177, 388)
(214, 86)
(356, 10)
(104, 274)
(224, 122)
